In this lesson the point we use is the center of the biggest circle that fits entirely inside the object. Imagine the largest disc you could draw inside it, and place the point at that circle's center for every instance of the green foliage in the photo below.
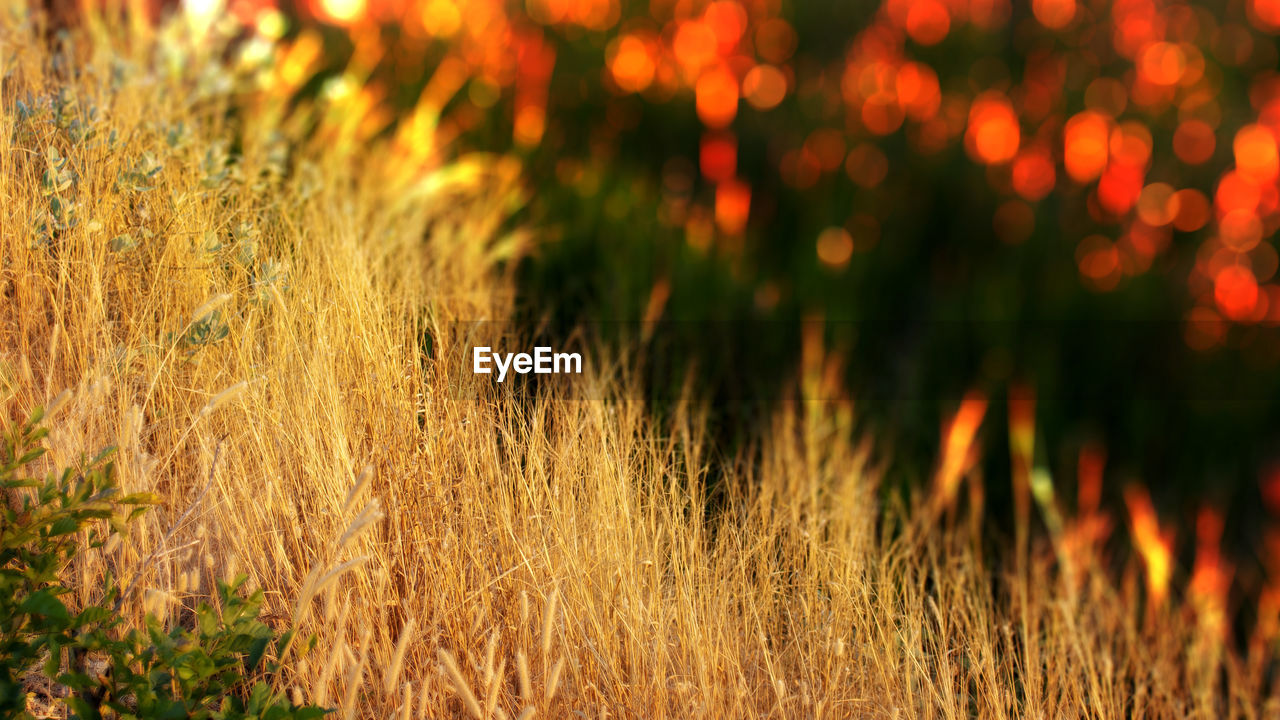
(203, 331)
(219, 667)
(246, 237)
(38, 535)
(199, 672)
(62, 114)
(141, 177)
(57, 177)
(215, 167)
(123, 243)
(271, 273)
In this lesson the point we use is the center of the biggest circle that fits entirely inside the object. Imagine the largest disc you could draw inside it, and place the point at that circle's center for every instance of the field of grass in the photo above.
(268, 314)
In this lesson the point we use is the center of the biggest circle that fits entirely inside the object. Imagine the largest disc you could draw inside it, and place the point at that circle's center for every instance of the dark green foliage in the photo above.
(219, 668)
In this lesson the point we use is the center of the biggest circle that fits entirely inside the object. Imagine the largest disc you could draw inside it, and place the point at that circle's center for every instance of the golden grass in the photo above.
(460, 551)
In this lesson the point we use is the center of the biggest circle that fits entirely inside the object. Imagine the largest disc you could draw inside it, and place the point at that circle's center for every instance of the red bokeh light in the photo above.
(994, 134)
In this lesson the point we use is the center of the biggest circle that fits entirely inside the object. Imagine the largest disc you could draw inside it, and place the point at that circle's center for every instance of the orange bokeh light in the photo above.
(1085, 142)
(1169, 78)
(631, 63)
(733, 206)
(1054, 14)
(717, 98)
(718, 156)
(1194, 142)
(1099, 262)
(1265, 15)
(828, 146)
(1264, 261)
(593, 14)
(1119, 187)
(1033, 174)
(835, 247)
(341, 12)
(441, 18)
(994, 134)
(775, 40)
(1163, 63)
(866, 165)
(1136, 24)
(928, 21)
(1237, 192)
(694, 45)
(871, 81)
(1235, 290)
(1193, 210)
(881, 115)
(1158, 204)
(1142, 243)
(728, 21)
(1240, 230)
(916, 86)
(1256, 154)
(1131, 144)
(531, 123)
(764, 87)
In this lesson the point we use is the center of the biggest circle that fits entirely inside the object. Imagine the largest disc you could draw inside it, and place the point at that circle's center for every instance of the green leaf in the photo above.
(54, 662)
(123, 242)
(105, 453)
(256, 650)
(43, 603)
(93, 615)
(64, 526)
(74, 680)
(172, 710)
(81, 709)
(140, 498)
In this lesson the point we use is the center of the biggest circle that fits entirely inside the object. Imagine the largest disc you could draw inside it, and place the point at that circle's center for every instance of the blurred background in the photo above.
(1061, 208)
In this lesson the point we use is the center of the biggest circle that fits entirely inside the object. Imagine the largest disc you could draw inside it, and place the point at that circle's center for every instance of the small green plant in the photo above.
(218, 666)
(206, 330)
(57, 177)
(123, 242)
(246, 237)
(38, 536)
(216, 167)
(141, 176)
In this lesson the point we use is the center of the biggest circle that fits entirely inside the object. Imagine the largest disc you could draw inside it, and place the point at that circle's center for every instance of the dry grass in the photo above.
(461, 551)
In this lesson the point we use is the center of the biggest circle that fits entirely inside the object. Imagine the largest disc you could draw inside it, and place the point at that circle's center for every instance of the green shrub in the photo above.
(218, 668)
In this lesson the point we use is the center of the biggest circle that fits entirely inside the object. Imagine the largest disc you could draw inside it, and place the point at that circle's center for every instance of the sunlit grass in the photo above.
(237, 291)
